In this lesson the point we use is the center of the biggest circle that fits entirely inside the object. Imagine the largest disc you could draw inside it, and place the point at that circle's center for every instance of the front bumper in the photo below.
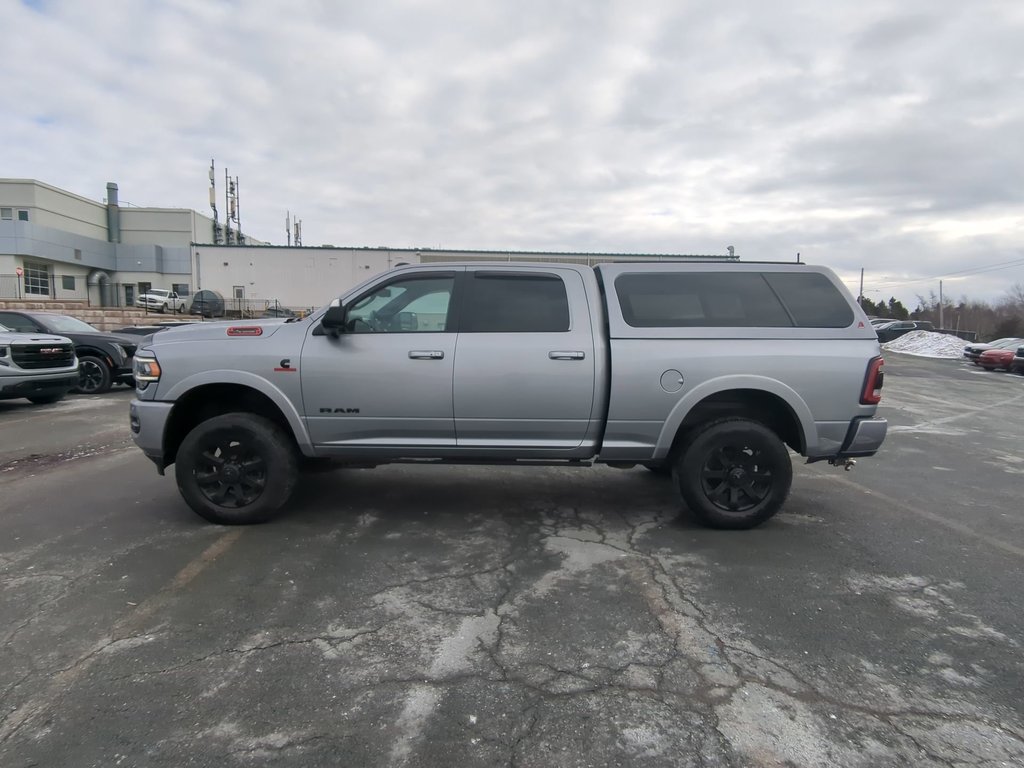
(27, 385)
(147, 419)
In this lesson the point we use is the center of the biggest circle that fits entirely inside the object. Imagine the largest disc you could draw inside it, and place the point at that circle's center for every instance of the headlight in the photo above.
(122, 353)
(146, 368)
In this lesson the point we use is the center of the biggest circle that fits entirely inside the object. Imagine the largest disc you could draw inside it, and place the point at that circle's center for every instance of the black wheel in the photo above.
(662, 470)
(93, 376)
(181, 309)
(236, 469)
(163, 309)
(734, 473)
(47, 399)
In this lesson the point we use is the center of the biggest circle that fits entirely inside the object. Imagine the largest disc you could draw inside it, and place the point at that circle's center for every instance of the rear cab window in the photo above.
(730, 300)
(515, 302)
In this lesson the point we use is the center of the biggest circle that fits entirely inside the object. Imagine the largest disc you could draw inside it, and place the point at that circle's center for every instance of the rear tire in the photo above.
(734, 473)
(236, 469)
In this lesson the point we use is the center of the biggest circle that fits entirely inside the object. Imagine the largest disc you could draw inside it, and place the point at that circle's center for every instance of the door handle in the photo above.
(566, 355)
(426, 354)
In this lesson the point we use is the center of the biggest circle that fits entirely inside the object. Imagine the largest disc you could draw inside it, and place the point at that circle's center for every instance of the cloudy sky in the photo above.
(887, 136)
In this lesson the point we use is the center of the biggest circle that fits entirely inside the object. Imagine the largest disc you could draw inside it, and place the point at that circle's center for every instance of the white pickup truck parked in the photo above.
(160, 300)
(709, 372)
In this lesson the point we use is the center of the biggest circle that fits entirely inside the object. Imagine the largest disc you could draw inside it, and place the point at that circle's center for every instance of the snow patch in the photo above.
(928, 344)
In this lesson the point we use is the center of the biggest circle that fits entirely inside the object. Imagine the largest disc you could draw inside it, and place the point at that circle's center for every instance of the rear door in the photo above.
(524, 360)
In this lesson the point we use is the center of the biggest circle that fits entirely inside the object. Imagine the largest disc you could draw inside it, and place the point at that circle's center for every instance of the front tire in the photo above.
(163, 309)
(236, 469)
(735, 473)
(94, 377)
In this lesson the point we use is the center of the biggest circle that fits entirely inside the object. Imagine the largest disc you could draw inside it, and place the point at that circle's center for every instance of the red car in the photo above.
(996, 359)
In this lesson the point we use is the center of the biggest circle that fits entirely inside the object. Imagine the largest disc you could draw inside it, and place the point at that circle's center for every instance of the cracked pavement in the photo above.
(425, 616)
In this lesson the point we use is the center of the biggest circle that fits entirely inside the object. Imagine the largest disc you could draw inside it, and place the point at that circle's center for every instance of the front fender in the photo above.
(251, 380)
(725, 384)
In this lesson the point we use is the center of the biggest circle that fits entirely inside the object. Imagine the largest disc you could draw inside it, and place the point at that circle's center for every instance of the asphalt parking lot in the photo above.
(436, 616)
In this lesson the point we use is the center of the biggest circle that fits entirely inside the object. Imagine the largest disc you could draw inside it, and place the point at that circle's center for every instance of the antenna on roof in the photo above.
(798, 257)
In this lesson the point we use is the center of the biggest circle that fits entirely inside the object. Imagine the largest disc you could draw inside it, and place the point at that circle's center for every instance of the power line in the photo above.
(961, 273)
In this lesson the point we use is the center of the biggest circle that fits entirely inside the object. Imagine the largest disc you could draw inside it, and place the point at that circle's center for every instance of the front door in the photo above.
(387, 380)
(524, 365)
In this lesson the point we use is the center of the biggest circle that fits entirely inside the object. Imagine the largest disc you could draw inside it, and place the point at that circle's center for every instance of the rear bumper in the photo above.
(864, 438)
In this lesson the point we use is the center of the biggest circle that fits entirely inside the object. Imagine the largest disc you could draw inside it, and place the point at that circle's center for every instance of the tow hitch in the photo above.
(846, 464)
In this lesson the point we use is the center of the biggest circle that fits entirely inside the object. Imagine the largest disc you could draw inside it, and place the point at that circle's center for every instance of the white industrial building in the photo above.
(56, 245)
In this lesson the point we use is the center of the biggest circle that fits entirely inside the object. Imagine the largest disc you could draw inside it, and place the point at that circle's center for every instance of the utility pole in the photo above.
(288, 226)
(941, 325)
(860, 296)
(213, 204)
(227, 208)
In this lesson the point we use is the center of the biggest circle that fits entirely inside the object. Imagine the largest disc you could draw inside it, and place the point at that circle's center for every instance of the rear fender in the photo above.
(725, 384)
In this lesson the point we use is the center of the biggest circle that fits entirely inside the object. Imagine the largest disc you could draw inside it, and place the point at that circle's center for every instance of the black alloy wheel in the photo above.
(734, 473)
(736, 478)
(93, 376)
(228, 471)
(237, 468)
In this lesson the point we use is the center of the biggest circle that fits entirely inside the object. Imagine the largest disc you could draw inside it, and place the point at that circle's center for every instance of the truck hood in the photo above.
(218, 331)
(31, 338)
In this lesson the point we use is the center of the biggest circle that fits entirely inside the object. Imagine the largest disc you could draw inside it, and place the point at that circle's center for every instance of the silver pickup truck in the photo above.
(705, 371)
(40, 367)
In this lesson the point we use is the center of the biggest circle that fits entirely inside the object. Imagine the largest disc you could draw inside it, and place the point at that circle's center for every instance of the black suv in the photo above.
(103, 358)
(897, 329)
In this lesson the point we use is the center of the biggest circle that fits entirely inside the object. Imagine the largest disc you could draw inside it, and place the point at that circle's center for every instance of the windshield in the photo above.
(62, 323)
(158, 292)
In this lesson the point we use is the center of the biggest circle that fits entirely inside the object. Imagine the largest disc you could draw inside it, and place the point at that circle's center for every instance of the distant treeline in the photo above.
(1004, 317)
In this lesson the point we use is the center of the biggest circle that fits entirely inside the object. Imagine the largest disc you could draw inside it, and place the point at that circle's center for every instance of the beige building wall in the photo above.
(295, 277)
(56, 208)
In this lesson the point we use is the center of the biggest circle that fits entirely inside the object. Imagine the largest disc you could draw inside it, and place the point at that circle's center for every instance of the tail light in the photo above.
(872, 394)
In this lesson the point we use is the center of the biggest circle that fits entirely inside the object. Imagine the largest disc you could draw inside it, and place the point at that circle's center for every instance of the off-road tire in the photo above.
(236, 469)
(734, 473)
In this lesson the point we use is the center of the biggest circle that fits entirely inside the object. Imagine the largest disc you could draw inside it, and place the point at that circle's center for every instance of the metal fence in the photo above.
(123, 295)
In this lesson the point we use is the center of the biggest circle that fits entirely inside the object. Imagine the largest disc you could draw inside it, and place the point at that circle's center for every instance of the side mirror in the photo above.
(334, 320)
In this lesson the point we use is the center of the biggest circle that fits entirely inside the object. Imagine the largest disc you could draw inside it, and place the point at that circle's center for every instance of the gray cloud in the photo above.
(876, 135)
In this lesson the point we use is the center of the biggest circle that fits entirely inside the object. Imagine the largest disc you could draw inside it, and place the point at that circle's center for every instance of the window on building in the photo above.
(508, 302)
(144, 287)
(22, 215)
(37, 279)
(67, 282)
(413, 305)
(6, 214)
(180, 288)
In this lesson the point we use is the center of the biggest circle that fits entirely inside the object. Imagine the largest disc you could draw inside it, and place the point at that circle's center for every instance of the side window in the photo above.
(812, 299)
(415, 305)
(515, 303)
(699, 300)
(17, 323)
